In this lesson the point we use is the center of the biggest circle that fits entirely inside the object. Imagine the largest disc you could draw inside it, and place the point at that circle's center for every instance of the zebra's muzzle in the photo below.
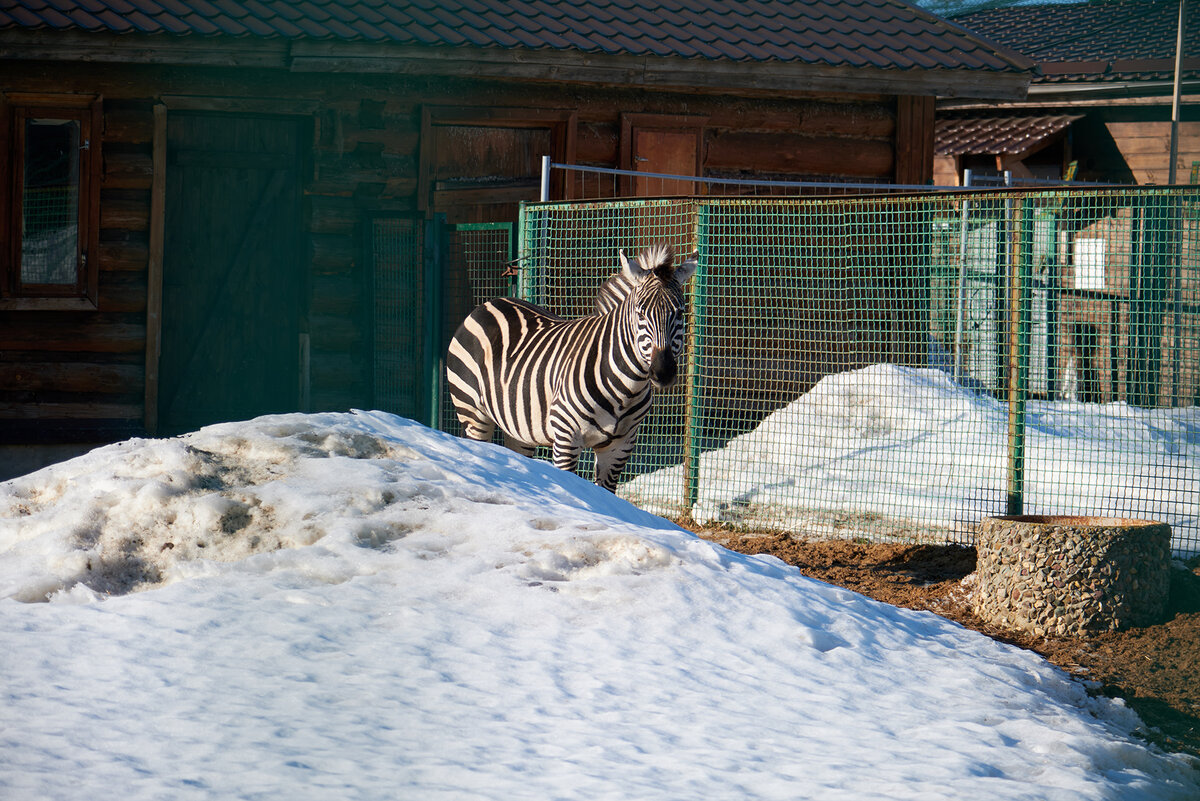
(663, 369)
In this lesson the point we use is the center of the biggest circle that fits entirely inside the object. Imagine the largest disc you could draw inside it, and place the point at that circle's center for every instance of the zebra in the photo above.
(571, 384)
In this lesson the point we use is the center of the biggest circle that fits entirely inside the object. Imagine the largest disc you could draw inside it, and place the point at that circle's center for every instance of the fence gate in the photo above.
(427, 276)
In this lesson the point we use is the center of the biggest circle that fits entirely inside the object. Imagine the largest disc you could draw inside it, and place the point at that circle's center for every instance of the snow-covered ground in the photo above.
(352, 606)
(909, 446)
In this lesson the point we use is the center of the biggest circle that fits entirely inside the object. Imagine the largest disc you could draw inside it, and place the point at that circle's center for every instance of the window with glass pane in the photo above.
(50, 208)
(50, 202)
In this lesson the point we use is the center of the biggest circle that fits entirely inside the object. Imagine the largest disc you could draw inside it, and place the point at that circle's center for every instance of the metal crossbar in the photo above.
(602, 183)
(902, 366)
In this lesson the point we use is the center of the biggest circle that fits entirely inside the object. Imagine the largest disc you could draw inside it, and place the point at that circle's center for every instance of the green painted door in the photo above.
(232, 272)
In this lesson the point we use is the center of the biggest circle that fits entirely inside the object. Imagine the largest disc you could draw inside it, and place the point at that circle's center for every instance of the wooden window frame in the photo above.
(15, 108)
(561, 123)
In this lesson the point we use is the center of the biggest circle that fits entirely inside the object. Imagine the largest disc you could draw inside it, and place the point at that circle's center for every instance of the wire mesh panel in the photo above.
(50, 202)
(1113, 429)
(904, 366)
(397, 253)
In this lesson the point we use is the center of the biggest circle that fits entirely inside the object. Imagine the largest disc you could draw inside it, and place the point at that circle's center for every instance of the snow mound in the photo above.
(354, 606)
(906, 451)
(143, 513)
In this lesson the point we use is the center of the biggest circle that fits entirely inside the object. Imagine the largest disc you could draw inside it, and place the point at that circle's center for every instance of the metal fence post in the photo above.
(961, 304)
(692, 392)
(1020, 276)
(544, 193)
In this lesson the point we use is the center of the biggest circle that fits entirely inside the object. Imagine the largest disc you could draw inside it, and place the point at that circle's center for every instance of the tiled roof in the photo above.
(884, 34)
(1111, 40)
(996, 135)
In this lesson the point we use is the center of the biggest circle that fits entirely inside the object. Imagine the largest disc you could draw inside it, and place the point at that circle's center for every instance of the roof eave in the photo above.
(102, 47)
(780, 77)
(336, 56)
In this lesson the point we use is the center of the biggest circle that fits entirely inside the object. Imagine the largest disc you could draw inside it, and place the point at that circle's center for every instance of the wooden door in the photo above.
(665, 144)
(669, 152)
(232, 273)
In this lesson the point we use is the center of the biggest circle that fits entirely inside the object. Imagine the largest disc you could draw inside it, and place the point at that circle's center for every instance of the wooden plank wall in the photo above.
(89, 368)
(70, 366)
(1146, 148)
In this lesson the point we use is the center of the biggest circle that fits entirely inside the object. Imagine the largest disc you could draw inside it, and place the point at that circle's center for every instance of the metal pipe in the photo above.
(544, 195)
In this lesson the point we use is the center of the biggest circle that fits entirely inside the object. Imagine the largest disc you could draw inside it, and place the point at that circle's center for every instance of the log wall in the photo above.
(81, 376)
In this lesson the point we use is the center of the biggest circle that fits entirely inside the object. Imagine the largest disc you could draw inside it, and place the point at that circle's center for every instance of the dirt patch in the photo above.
(1155, 669)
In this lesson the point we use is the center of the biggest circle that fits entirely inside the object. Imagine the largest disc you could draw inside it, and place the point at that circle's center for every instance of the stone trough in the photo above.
(1068, 576)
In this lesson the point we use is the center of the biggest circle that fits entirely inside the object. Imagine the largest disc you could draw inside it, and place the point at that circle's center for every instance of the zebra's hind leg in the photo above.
(565, 454)
(610, 462)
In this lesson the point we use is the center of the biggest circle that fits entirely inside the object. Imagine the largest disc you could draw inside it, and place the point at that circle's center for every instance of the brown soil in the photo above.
(1156, 669)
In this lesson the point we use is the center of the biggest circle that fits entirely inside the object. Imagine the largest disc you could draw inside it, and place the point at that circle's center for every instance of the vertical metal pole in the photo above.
(1171, 169)
(544, 197)
(962, 282)
(432, 356)
(694, 388)
(1020, 277)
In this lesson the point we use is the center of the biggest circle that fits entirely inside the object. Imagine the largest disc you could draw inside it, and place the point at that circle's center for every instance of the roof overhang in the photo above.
(326, 56)
(1016, 136)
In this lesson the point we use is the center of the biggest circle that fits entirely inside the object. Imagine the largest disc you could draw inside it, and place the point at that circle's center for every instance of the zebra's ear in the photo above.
(686, 270)
(633, 269)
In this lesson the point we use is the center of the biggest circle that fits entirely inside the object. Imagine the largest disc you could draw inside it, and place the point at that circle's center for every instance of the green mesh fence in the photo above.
(900, 367)
(480, 267)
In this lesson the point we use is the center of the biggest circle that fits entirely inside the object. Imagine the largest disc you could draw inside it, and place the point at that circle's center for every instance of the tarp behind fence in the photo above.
(902, 367)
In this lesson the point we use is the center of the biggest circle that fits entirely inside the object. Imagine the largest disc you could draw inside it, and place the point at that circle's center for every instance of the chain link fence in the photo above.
(900, 367)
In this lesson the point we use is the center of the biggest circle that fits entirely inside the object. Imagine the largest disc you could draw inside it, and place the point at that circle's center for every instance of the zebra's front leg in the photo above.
(610, 462)
(520, 447)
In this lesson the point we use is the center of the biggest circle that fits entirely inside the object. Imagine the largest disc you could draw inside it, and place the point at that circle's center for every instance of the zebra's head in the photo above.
(657, 304)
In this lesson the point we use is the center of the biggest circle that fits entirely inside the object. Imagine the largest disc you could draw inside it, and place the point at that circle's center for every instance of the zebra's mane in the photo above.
(658, 258)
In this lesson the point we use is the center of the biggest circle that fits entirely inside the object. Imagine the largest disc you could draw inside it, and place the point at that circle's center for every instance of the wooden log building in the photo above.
(1100, 109)
(195, 197)
(1101, 97)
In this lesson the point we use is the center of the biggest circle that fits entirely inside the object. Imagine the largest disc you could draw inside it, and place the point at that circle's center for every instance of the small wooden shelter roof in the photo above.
(650, 41)
(998, 135)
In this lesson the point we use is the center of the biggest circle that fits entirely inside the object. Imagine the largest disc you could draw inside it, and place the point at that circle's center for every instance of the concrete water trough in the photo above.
(1067, 576)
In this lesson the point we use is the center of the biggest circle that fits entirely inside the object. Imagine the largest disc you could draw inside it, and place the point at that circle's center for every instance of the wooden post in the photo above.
(154, 267)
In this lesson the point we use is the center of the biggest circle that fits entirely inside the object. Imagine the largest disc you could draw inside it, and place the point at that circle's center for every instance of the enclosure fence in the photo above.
(901, 367)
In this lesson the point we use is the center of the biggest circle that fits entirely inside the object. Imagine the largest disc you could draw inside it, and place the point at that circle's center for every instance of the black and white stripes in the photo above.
(572, 384)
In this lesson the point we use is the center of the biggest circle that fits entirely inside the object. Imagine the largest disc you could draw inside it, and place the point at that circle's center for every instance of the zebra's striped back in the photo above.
(571, 384)
(612, 292)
